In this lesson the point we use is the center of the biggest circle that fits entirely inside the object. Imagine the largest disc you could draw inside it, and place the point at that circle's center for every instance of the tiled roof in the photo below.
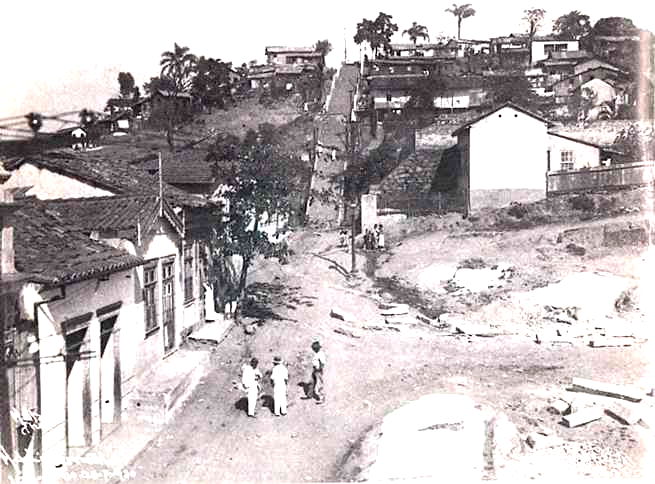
(47, 246)
(115, 175)
(504, 105)
(183, 167)
(166, 93)
(115, 213)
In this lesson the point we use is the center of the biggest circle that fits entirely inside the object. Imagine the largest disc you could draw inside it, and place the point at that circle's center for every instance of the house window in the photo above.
(566, 160)
(391, 70)
(188, 272)
(388, 98)
(150, 297)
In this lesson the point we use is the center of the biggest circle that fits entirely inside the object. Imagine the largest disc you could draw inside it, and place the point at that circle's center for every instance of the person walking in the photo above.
(250, 381)
(380, 237)
(280, 378)
(319, 361)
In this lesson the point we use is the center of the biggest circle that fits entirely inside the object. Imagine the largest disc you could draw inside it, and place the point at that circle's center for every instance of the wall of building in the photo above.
(508, 150)
(539, 51)
(82, 298)
(584, 156)
(613, 177)
(49, 185)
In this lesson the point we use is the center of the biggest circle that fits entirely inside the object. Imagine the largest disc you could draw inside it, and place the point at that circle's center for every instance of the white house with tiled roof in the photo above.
(504, 157)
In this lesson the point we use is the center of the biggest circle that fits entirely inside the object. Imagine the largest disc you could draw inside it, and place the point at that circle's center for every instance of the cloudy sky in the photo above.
(66, 55)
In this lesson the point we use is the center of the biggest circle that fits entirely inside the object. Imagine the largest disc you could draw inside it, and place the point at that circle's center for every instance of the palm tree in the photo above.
(178, 65)
(461, 12)
(416, 31)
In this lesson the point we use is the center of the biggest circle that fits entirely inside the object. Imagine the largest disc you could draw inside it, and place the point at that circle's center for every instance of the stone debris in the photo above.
(250, 328)
(395, 310)
(559, 407)
(627, 415)
(341, 314)
(607, 389)
(481, 330)
(347, 332)
(399, 319)
(613, 341)
(582, 417)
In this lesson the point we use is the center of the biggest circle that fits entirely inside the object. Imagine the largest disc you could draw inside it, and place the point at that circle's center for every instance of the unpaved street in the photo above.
(212, 440)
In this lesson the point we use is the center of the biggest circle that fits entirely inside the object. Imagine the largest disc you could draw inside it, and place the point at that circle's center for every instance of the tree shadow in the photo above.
(265, 298)
(334, 265)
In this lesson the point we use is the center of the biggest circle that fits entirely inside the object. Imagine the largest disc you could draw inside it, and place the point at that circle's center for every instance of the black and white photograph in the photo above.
(305, 242)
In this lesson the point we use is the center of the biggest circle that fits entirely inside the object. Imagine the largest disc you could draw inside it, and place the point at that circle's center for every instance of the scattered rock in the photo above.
(611, 341)
(627, 415)
(341, 314)
(582, 417)
(559, 407)
(606, 389)
(481, 330)
(395, 310)
(250, 329)
(373, 327)
(347, 332)
(404, 320)
(575, 249)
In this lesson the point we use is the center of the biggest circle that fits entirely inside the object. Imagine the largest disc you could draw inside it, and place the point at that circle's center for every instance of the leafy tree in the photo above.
(377, 33)
(260, 178)
(533, 17)
(625, 53)
(636, 142)
(461, 12)
(513, 87)
(126, 83)
(160, 83)
(416, 31)
(179, 65)
(323, 46)
(573, 25)
(211, 85)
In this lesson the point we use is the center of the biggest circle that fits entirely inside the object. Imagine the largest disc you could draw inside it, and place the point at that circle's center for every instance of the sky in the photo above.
(66, 55)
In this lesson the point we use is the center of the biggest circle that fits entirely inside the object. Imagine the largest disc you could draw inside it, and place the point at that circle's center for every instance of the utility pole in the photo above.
(350, 150)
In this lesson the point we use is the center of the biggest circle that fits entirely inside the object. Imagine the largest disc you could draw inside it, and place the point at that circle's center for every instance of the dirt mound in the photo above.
(436, 435)
(562, 209)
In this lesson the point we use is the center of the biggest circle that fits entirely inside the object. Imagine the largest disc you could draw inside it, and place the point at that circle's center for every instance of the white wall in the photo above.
(583, 155)
(48, 185)
(508, 149)
(80, 298)
(538, 47)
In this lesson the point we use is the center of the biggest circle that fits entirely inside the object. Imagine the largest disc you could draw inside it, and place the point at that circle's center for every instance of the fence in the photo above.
(613, 177)
(415, 205)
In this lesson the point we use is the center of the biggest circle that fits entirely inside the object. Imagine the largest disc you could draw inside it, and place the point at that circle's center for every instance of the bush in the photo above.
(472, 263)
(517, 210)
(582, 202)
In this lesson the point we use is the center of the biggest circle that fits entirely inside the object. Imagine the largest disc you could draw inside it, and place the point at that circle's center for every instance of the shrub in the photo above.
(517, 210)
(582, 202)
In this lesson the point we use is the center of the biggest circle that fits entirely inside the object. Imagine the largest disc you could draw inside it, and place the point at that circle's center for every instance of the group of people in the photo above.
(374, 239)
(252, 380)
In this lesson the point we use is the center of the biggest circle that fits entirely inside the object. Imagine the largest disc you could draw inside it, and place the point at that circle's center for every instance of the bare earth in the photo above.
(374, 369)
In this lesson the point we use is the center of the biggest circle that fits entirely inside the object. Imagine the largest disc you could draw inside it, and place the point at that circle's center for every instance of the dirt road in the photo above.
(212, 440)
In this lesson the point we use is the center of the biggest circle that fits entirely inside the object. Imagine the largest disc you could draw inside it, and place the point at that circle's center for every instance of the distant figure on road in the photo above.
(250, 381)
(280, 378)
(380, 237)
(318, 366)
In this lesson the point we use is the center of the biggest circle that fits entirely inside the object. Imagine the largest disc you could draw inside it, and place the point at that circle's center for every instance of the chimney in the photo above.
(7, 241)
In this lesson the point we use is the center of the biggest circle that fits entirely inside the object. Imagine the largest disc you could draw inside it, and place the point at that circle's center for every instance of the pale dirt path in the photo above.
(212, 441)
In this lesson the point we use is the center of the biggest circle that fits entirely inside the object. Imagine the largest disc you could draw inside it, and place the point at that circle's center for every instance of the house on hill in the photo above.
(280, 55)
(504, 157)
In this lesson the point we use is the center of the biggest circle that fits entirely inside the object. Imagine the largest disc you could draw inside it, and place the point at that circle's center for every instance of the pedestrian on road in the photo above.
(250, 380)
(318, 367)
(380, 237)
(280, 378)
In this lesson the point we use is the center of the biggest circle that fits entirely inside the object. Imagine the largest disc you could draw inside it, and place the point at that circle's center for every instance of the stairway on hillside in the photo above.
(331, 130)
